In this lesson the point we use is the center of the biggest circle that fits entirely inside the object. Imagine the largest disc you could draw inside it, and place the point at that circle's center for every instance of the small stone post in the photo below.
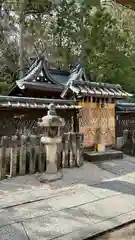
(53, 124)
(125, 136)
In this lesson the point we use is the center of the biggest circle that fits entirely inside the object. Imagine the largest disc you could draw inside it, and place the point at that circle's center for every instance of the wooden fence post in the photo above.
(125, 136)
(22, 157)
(3, 148)
(65, 153)
(42, 157)
(59, 159)
(73, 152)
(79, 144)
(13, 156)
(1, 156)
(32, 146)
(70, 153)
(133, 143)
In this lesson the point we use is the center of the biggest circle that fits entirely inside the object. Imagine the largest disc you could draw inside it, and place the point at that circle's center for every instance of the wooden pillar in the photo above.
(100, 128)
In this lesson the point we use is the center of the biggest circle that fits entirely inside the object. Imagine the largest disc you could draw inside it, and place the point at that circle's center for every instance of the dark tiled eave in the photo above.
(43, 86)
(125, 107)
(96, 84)
(35, 103)
(84, 89)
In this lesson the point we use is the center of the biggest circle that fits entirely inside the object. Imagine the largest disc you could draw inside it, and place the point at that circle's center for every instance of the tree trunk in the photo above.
(21, 43)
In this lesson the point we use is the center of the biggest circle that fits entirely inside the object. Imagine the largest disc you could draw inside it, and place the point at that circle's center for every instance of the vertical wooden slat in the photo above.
(3, 157)
(13, 156)
(73, 149)
(59, 159)
(22, 155)
(32, 146)
(65, 152)
(133, 143)
(79, 153)
(42, 158)
(72, 141)
(70, 150)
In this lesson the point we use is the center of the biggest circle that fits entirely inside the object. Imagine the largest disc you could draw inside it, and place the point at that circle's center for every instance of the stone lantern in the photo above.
(52, 137)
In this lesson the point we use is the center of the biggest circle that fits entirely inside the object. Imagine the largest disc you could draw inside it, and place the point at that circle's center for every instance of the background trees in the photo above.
(68, 32)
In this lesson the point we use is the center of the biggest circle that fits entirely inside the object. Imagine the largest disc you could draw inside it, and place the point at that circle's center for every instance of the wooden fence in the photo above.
(128, 142)
(20, 155)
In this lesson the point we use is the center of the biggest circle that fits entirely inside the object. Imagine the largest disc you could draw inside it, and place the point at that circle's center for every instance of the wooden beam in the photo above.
(127, 3)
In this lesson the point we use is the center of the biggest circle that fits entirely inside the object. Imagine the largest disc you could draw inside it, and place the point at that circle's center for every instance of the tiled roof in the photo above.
(51, 79)
(125, 107)
(38, 85)
(98, 89)
(36, 103)
(79, 85)
(40, 78)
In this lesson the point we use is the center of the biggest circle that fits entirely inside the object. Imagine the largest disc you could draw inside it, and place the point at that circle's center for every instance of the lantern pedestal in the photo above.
(52, 173)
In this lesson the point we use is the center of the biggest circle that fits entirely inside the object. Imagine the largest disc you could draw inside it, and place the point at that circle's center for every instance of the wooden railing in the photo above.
(20, 155)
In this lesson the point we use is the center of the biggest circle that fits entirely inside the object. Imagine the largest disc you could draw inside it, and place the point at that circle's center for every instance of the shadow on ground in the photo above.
(118, 186)
(118, 167)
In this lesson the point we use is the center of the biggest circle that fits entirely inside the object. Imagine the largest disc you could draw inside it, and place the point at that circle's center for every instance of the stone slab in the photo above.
(9, 187)
(107, 208)
(119, 168)
(13, 232)
(119, 185)
(129, 158)
(28, 196)
(102, 156)
(89, 173)
(24, 197)
(95, 229)
(130, 178)
(114, 187)
(75, 223)
(72, 199)
(101, 191)
(56, 224)
(29, 181)
(25, 211)
(71, 224)
(126, 232)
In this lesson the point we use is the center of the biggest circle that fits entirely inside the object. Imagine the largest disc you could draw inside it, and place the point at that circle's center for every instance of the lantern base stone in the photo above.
(49, 177)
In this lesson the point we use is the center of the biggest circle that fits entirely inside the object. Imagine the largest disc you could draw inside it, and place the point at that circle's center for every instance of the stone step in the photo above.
(102, 156)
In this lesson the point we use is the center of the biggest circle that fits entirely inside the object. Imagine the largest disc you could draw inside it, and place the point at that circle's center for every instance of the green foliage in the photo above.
(68, 32)
(104, 51)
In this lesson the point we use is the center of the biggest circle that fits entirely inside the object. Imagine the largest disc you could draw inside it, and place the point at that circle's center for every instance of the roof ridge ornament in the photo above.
(32, 74)
(77, 74)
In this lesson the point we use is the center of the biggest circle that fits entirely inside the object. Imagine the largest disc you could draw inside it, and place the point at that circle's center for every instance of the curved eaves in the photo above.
(32, 75)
